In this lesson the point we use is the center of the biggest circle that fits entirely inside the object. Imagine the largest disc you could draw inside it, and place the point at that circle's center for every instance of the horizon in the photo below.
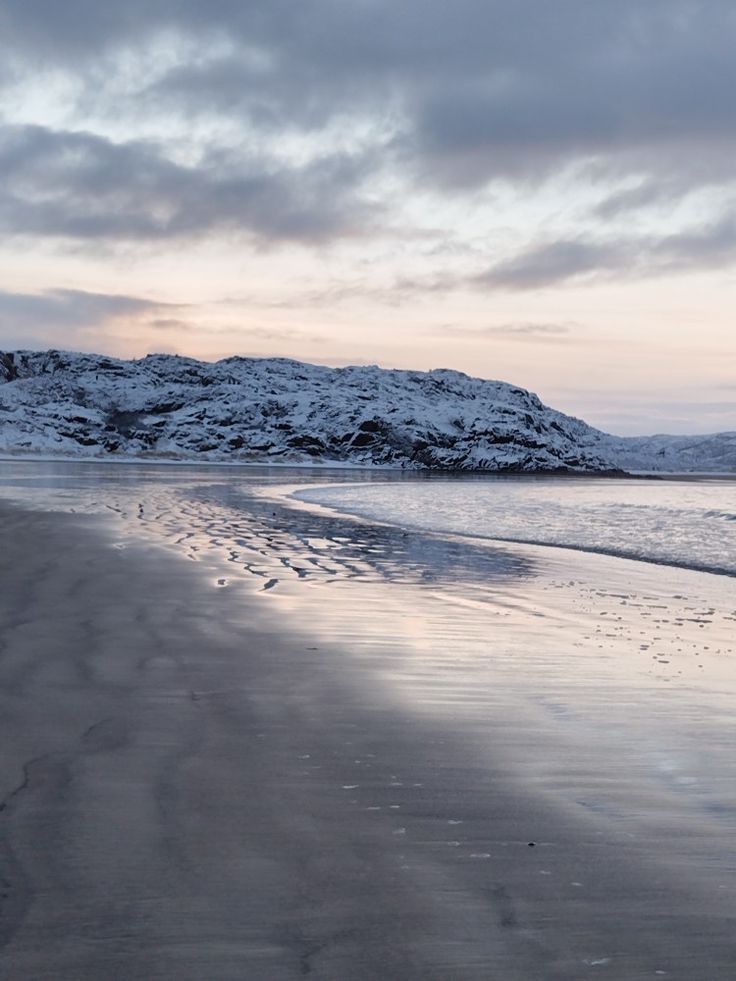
(544, 196)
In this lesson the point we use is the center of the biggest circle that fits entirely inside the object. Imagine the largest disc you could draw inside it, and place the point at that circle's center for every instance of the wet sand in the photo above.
(341, 776)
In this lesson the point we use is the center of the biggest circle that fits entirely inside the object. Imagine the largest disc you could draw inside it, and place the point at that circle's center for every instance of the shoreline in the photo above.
(20, 456)
(210, 782)
(292, 493)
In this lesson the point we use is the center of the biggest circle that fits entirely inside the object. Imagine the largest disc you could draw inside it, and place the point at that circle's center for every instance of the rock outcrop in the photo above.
(278, 410)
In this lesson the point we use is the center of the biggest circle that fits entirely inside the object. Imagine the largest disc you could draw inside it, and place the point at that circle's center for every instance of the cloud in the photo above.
(279, 334)
(473, 90)
(555, 262)
(78, 185)
(306, 123)
(648, 192)
(40, 319)
(76, 308)
(585, 259)
(516, 331)
(265, 333)
(522, 333)
(392, 293)
(169, 323)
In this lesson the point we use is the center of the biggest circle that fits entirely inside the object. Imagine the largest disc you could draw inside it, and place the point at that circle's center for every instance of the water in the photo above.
(245, 517)
(689, 523)
(682, 522)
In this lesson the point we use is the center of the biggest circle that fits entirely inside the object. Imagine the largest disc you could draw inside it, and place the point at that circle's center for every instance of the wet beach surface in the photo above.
(240, 738)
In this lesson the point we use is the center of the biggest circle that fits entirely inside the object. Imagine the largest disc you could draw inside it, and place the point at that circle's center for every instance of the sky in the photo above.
(537, 191)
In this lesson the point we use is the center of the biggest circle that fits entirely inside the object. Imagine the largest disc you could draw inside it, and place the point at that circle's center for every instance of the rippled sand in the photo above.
(245, 739)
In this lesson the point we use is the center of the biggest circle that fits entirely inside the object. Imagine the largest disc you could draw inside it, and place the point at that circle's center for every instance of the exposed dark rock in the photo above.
(8, 367)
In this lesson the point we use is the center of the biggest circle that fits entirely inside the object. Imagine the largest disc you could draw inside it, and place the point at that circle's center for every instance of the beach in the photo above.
(242, 738)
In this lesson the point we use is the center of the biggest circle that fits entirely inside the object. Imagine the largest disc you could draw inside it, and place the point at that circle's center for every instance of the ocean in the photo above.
(686, 522)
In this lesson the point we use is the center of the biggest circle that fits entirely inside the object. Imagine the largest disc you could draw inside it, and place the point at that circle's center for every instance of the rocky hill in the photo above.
(278, 410)
(671, 454)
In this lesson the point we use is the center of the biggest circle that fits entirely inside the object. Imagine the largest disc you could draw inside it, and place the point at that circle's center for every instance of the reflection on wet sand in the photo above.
(436, 757)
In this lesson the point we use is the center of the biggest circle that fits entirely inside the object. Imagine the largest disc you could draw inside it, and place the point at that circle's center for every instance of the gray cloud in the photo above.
(483, 86)
(59, 317)
(79, 185)
(279, 334)
(665, 188)
(169, 323)
(556, 262)
(41, 315)
(482, 89)
(585, 259)
(534, 333)
(648, 192)
(470, 92)
(70, 308)
(617, 80)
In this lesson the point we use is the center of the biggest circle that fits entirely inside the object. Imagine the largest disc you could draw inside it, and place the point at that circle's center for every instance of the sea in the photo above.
(684, 521)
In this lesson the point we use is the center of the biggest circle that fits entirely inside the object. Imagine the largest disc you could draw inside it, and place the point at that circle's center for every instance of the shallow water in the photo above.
(689, 523)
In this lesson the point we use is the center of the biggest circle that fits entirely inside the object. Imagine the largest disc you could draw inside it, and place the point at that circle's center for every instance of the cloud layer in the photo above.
(53, 317)
(80, 185)
(449, 98)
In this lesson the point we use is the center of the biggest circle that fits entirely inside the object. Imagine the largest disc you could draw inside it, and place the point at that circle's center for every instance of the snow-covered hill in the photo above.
(671, 454)
(248, 409)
